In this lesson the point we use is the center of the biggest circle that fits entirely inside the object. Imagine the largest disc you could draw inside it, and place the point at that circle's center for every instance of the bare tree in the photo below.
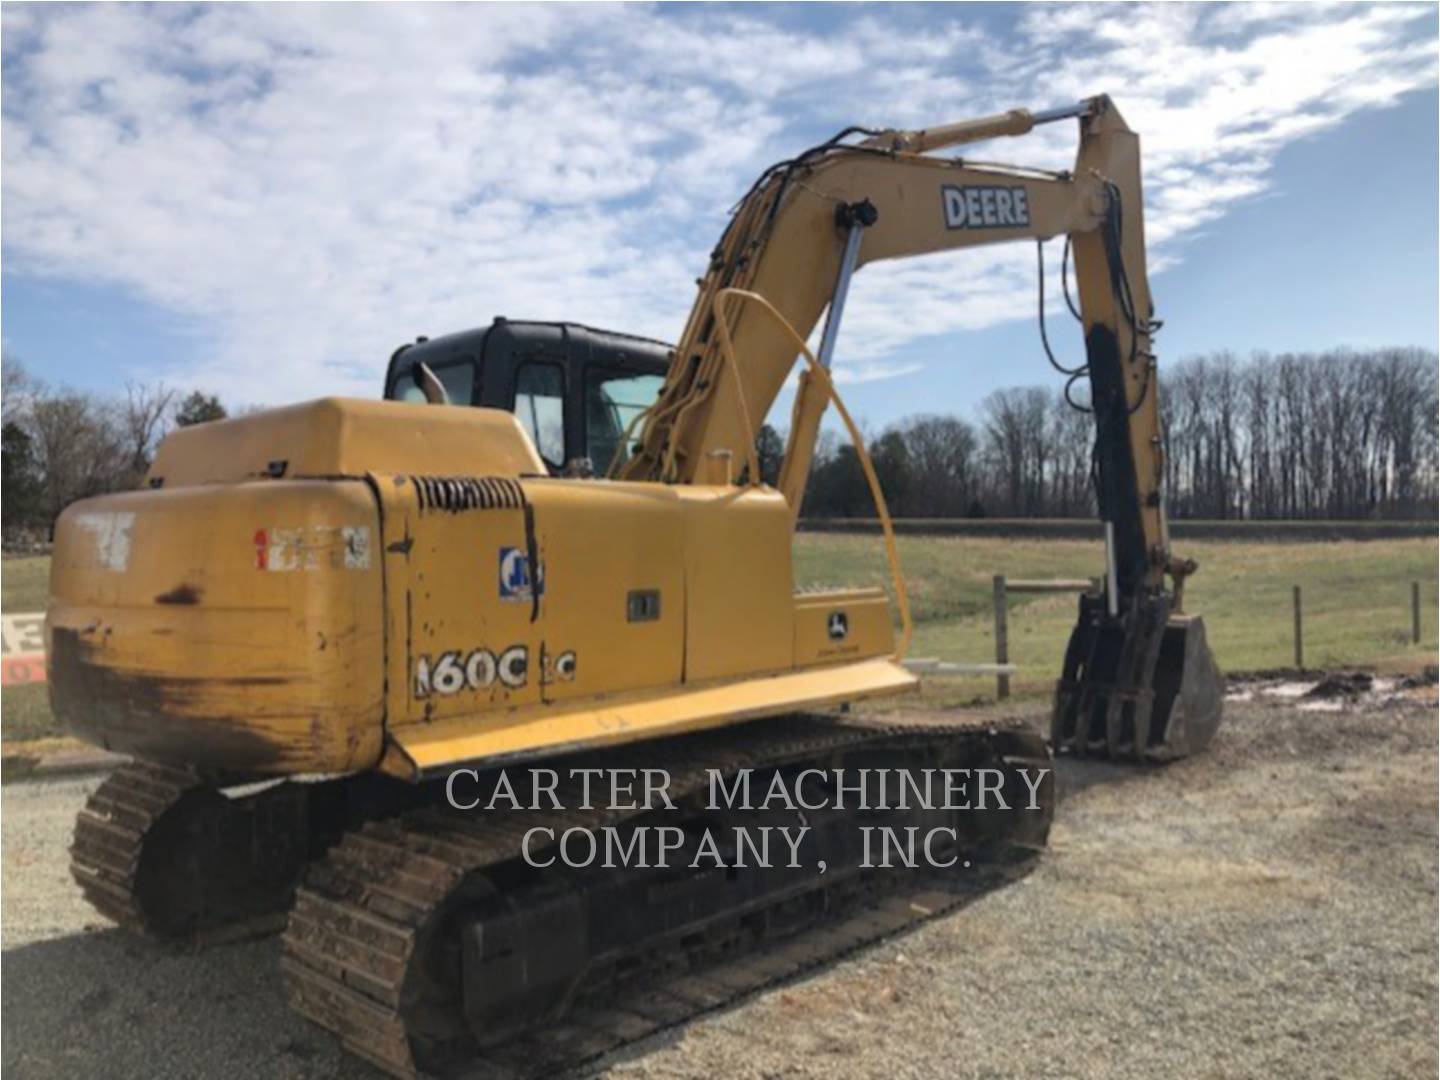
(142, 419)
(942, 465)
(18, 389)
(79, 448)
(1071, 433)
(1016, 442)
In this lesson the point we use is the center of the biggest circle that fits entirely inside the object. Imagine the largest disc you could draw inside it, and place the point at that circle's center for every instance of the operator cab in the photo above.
(574, 388)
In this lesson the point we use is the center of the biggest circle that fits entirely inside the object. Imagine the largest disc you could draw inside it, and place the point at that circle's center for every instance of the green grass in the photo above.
(24, 584)
(26, 714)
(25, 710)
(1356, 599)
(1356, 593)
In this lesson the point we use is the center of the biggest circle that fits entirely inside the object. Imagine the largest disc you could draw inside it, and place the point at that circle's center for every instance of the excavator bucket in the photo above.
(1143, 686)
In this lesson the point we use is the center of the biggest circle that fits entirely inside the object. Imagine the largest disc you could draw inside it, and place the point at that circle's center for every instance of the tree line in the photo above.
(60, 445)
(1341, 434)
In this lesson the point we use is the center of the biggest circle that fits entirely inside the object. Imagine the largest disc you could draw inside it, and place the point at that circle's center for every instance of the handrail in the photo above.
(727, 347)
(817, 371)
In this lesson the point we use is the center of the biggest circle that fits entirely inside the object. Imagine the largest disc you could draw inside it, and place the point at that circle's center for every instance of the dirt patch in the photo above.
(1345, 684)
(1335, 691)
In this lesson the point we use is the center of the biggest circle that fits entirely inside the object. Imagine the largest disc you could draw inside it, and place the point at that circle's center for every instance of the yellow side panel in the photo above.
(346, 437)
(431, 749)
(455, 648)
(739, 611)
(470, 637)
(234, 627)
(601, 543)
(714, 641)
(840, 625)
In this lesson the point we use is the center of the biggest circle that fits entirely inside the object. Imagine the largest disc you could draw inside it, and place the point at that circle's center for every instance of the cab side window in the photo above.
(613, 399)
(540, 406)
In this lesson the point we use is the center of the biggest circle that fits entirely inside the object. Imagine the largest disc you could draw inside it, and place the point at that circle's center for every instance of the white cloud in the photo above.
(316, 183)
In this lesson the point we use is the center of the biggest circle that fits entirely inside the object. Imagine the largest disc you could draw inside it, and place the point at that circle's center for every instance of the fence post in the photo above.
(1002, 637)
(1299, 644)
(1415, 612)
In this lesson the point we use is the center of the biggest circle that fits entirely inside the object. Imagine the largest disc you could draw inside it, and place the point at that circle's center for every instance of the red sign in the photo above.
(22, 649)
(19, 670)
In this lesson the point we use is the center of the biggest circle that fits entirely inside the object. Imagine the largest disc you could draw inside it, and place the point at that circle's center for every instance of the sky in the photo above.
(264, 200)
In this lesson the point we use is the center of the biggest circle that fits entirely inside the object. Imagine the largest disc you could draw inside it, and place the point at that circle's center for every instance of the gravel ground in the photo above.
(1266, 909)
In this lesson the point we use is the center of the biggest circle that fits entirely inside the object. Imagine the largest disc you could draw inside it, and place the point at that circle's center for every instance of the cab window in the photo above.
(612, 400)
(458, 378)
(540, 406)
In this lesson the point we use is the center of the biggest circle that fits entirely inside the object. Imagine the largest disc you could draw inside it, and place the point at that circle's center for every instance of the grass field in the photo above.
(1357, 604)
(1356, 599)
(24, 583)
(25, 710)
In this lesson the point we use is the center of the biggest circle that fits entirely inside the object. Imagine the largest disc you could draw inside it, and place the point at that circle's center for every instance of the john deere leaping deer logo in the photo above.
(838, 625)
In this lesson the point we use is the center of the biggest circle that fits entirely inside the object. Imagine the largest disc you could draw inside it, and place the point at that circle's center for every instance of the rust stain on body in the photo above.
(182, 594)
(154, 715)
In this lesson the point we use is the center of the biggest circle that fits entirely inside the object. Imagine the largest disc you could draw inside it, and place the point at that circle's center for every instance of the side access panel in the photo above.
(502, 595)
(740, 611)
(454, 648)
(614, 601)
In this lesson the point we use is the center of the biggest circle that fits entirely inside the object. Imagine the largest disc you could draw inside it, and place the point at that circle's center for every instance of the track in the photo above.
(167, 856)
(110, 832)
(377, 948)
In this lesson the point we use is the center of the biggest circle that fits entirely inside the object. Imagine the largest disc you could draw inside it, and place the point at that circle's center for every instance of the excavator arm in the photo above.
(796, 239)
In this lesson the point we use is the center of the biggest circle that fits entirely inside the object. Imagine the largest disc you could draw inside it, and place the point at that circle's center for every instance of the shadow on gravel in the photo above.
(105, 1004)
(816, 953)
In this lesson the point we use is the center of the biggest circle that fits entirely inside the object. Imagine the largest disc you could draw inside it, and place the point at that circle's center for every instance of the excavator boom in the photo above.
(796, 239)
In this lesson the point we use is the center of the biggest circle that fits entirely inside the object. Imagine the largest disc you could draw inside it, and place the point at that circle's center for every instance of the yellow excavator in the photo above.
(327, 632)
